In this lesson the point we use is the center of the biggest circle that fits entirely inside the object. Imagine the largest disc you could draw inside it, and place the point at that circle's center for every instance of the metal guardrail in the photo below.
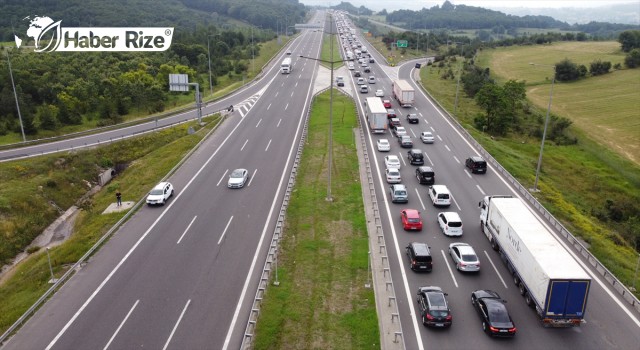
(626, 294)
(60, 281)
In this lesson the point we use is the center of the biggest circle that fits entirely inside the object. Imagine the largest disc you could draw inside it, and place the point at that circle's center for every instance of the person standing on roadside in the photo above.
(118, 198)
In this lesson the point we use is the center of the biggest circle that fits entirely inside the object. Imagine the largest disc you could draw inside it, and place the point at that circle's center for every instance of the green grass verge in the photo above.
(575, 180)
(326, 52)
(61, 176)
(321, 302)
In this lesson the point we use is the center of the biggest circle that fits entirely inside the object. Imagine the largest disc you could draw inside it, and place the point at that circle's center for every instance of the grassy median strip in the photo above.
(59, 178)
(321, 302)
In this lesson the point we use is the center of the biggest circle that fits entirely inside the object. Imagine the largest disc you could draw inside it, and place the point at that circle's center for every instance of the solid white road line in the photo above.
(176, 326)
(496, 270)
(222, 178)
(121, 324)
(244, 144)
(453, 277)
(187, 229)
(420, 198)
(225, 230)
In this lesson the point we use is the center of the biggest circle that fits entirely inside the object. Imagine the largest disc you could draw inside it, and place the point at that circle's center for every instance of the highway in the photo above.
(183, 276)
(611, 323)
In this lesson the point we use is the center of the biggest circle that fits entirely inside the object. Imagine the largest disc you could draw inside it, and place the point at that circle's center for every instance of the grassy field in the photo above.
(575, 180)
(150, 157)
(605, 108)
(321, 302)
(326, 52)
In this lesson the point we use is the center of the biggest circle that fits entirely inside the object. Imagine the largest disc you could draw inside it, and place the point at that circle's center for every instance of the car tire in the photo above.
(516, 280)
(484, 327)
(472, 301)
(424, 321)
(528, 299)
(522, 288)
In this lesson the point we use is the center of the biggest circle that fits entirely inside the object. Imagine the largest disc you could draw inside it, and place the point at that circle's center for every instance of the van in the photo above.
(419, 256)
(425, 175)
(476, 165)
(440, 195)
(450, 223)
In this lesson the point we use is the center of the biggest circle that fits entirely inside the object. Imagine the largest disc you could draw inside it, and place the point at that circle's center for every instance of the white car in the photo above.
(400, 131)
(450, 223)
(464, 257)
(392, 162)
(393, 176)
(427, 137)
(160, 194)
(372, 79)
(383, 145)
(238, 178)
(379, 93)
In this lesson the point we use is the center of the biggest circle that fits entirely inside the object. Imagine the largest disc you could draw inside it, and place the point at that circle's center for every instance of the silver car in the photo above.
(464, 257)
(427, 137)
(238, 178)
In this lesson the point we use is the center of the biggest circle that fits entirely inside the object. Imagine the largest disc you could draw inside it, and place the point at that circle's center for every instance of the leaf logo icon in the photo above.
(54, 33)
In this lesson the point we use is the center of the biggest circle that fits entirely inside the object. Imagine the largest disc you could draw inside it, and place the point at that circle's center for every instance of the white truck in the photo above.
(376, 115)
(403, 92)
(548, 277)
(286, 66)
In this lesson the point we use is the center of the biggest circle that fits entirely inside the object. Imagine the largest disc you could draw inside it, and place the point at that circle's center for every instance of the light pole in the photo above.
(546, 123)
(15, 95)
(455, 105)
(209, 59)
(329, 197)
(53, 279)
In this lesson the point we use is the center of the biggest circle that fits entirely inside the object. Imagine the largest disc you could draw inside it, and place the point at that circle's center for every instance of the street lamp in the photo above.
(15, 95)
(329, 197)
(209, 59)
(546, 123)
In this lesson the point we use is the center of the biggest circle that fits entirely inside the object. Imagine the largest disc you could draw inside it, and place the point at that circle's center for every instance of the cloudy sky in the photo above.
(378, 5)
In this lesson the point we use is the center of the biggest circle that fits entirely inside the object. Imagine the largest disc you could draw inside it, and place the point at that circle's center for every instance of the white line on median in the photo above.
(453, 277)
(225, 230)
(187, 229)
(121, 324)
(222, 178)
(494, 267)
(176, 326)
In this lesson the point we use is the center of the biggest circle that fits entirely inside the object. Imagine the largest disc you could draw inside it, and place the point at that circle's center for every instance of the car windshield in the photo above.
(156, 191)
(469, 257)
(236, 173)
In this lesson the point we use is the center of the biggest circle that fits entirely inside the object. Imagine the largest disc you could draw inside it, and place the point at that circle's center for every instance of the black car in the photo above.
(357, 73)
(391, 113)
(413, 118)
(415, 157)
(419, 256)
(434, 310)
(371, 60)
(367, 70)
(476, 164)
(496, 321)
(425, 175)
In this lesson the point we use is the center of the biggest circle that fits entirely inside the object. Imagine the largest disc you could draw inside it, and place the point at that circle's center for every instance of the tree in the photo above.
(514, 93)
(629, 39)
(492, 99)
(598, 67)
(566, 70)
(473, 79)
(632, 60)
(48, 117)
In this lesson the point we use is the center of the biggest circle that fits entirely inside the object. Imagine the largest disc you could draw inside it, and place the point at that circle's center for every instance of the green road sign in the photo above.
(402, 43)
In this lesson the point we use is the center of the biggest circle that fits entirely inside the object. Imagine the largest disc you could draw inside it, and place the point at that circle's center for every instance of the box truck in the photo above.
(403, 92)
(548, 277)
(376, 115)
(285, 67)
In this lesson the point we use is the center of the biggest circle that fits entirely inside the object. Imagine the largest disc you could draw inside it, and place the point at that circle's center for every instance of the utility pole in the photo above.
(15, 95)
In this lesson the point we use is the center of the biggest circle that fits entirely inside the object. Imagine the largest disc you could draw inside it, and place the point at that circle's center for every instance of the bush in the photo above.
(632, 60)
(598, 67)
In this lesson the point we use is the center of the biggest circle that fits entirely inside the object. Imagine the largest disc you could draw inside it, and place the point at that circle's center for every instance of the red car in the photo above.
(411, 219)
(386, 103)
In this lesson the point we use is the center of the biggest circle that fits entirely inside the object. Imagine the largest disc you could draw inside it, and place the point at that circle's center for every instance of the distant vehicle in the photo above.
(387, 104)
(390, 112)
(367, 70)
(413, 118)
(440, 195)
(496, 321)
(392, 161)
(372, 79)
(160, 194)
(403, 92)
(416, 157)
(379, 93)
(286, 66)
(398, 193)
(450, 223)
(399, 131)
(476, 164)
(425, 175)
(351, 66)
(393, 122)
(360, 81)
(340, 80)
(464, 257)
(288, 52)
(419, 255)
(371, 60)
(405, 141)
(411, 220)
(238, 178)
(434, 309)
(427, 137)
(357, 73)
(376, 115)
(393, 176)
(364, 89)
(383, 145)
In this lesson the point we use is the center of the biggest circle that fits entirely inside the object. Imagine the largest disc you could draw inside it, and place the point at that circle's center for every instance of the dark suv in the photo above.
(425, 175)
(434, 309)
(415, 157)
(476, 164)
(419, 256)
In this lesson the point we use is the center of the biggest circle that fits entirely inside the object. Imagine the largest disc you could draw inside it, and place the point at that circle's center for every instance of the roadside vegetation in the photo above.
(326, 52)
(321, 302)
(592, 185)
(31, 186)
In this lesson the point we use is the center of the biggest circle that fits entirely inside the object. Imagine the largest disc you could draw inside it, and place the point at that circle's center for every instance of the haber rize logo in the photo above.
(49, 36)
